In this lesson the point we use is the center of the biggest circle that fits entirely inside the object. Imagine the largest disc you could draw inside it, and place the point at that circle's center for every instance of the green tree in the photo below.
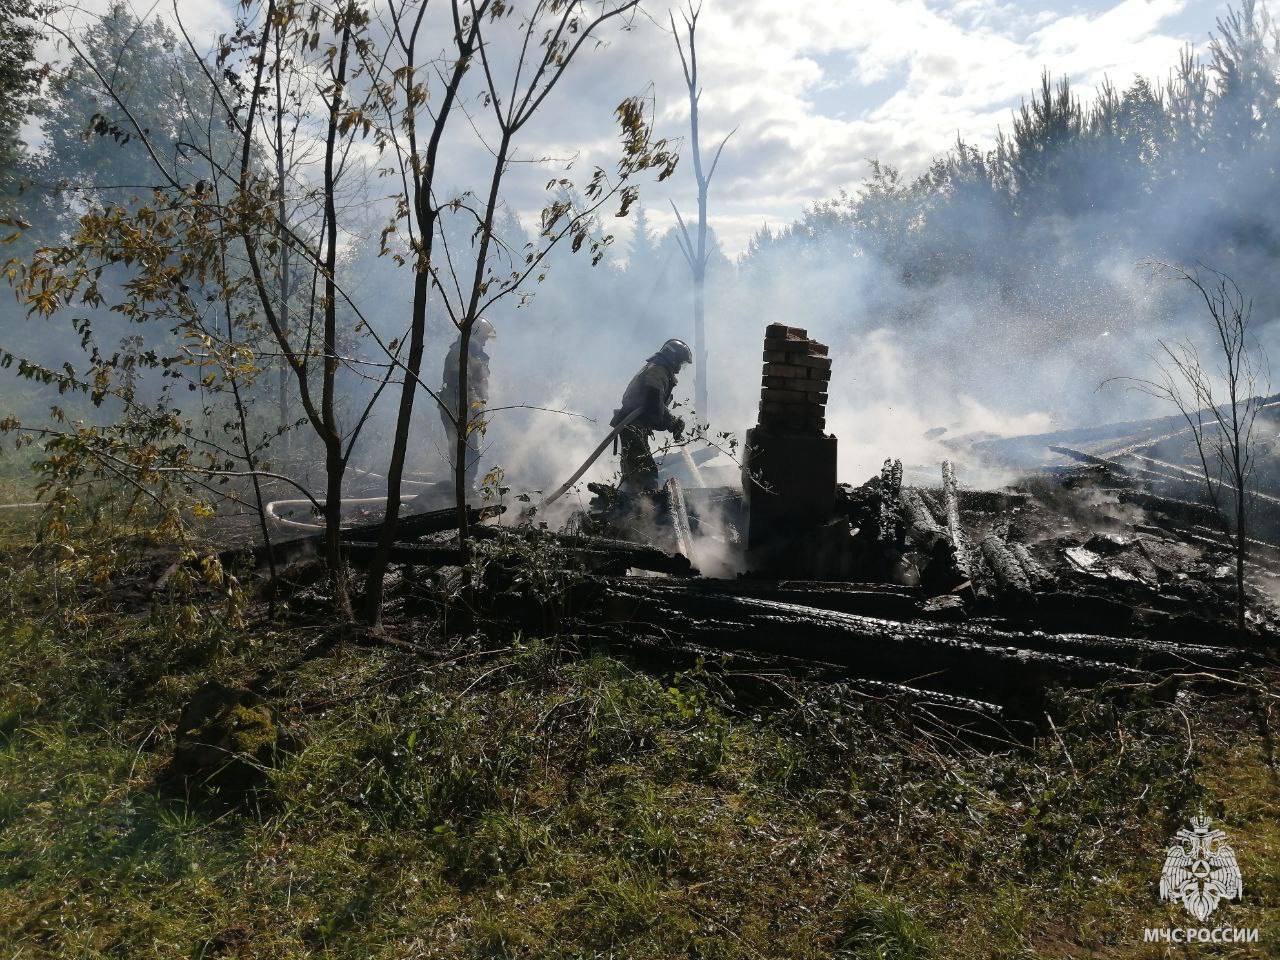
(19, 81)
(1244, 57)
(126, 72)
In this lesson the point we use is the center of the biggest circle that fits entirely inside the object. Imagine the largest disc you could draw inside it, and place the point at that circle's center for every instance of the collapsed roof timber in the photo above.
(1099, 566)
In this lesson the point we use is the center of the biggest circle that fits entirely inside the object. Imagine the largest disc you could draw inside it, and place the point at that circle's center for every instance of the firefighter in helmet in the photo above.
(649, 392)
(451, 411)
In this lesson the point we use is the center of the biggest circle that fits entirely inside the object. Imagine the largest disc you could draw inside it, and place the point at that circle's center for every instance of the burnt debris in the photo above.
(1100, 567)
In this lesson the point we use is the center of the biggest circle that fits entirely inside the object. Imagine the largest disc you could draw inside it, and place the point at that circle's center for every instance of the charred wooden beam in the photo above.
(765, 675)
(951, 511)
(743, 614)
(422, 524)
(933, 501)
(891, 531)
(1041, 578)
(594, 553)
(604, 552)
(1009, 574)
(926, 655)
(637, 555)
(941, 571)
(618, 562)
(360, 552)
(951, 703)
(974, 501)
(1130, 651)
(408, 528)
(921, 527)
(870, 599)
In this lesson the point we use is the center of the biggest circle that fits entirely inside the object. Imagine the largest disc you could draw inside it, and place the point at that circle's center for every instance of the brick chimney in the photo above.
(793, 391)
(789, 470)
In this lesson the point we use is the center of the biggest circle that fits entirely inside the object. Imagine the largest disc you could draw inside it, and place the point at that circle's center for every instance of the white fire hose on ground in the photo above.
(275, 505)
(272, 509)
(555, 495)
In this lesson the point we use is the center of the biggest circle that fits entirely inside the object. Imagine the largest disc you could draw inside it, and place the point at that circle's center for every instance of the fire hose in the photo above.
(546, 501)
(586, 464)
(275, 506)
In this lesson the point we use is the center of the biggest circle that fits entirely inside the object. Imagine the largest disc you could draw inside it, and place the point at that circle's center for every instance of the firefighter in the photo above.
(477, 396)
(649, 392)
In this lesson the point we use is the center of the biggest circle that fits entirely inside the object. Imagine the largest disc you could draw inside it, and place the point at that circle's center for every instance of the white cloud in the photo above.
(950, 67)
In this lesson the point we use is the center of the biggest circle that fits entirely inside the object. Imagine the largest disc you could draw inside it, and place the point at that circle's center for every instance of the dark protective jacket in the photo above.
(477, 375)
(650, 391)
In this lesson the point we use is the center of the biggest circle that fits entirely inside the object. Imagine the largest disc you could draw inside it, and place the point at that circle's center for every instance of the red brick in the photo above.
(786, 396)
(780, 331)
(787, 343)
(793, 383)
(801, 411)
(818, 363)
(789, 425)
(786, 370)
(796, 370)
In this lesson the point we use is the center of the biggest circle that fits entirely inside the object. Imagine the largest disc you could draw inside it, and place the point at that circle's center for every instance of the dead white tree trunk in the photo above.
(695, 248)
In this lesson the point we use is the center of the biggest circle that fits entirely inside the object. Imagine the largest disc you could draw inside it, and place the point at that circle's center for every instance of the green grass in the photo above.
(547, 799)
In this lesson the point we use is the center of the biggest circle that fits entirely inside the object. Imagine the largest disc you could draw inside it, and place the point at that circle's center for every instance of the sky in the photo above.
(811, 91)
(815, 89)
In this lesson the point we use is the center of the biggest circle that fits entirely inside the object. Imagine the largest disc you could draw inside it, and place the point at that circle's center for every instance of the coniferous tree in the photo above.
(640, 254)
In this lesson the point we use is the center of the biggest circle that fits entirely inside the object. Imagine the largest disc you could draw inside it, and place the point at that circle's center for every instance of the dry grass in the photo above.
(542, 799)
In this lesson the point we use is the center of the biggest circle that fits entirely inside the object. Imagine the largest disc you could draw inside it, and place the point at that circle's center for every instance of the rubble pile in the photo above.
(1107, 568)
(992, 596)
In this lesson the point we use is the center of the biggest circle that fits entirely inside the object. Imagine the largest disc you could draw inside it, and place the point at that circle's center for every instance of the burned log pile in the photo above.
(983, 598)
(1022, 590)
(1089, 573)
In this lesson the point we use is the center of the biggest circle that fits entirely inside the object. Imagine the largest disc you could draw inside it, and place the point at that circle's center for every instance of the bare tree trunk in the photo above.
(468, 321)
(1241, 556)
(251, 462)
(281, 215)
(696, 253)
(701, 387)
(335, 463)
(1240, 476)
(427, 216)
(372, 610)
(461, 436)
(245, 445)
